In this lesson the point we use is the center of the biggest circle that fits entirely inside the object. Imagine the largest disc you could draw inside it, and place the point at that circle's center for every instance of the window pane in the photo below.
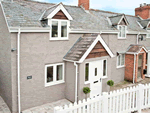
(54, 29)
(123, 31)
(49, 74)
(120, 31)
(87, 72)
(122, 59)
(104, 68)
(118, 60)
(95, 71)
(63, 29)
(59, 72)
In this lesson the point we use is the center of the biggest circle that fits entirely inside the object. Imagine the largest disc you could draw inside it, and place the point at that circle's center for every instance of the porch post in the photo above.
(148, 64)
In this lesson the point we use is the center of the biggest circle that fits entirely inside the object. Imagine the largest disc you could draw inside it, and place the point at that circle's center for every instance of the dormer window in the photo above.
(59, 29)
(59, 22)
(122, 31)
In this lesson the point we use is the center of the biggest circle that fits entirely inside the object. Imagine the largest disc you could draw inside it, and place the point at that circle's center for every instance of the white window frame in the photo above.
(86, 82)
(120, 66)
(54, 82)
(147, 35)
(103, 77)
(125, 32)
(59, 29)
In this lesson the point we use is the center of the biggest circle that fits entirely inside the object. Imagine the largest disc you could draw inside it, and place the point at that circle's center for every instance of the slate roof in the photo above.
(79, 48)
(25, 13)
(115, 19)
(48, 11)
(135, 48)
(144, 23)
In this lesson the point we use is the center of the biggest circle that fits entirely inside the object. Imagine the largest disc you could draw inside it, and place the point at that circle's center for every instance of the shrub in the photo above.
(110, 83)
(86, 90)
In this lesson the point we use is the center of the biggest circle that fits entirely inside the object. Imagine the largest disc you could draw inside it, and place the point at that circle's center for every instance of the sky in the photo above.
(119, 6)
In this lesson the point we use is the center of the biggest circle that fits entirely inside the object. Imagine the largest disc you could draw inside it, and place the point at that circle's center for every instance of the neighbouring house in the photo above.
(51, 51)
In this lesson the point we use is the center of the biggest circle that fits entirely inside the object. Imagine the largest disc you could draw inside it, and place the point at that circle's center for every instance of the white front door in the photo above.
(96, 73)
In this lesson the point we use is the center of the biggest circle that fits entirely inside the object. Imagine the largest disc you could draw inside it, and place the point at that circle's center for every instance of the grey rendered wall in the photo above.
(118, 45)
(70, 81)
(37, 51)
(5, 62)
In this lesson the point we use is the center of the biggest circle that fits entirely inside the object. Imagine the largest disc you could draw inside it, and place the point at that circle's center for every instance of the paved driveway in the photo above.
(3, 107)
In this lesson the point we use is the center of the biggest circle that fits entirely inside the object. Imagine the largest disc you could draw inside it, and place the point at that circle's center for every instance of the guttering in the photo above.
(18, 64)
(29, 29)
(76, 82)
(134, 68)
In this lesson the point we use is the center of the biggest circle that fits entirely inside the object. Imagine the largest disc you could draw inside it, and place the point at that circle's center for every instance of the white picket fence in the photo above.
(121, 101)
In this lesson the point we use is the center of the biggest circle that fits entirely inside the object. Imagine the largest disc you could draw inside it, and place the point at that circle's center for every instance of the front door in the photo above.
(96, 72)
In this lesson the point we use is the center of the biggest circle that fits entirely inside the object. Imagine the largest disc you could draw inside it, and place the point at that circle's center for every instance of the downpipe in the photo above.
(76, 82)
(18, 64)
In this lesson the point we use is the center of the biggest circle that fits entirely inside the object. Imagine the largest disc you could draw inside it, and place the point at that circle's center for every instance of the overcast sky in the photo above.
(119, 6)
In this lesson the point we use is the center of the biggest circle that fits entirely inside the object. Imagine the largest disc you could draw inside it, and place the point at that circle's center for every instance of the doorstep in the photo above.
(47, 108)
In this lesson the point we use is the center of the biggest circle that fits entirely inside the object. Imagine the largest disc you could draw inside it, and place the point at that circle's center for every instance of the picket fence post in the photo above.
(140, 98)
(56, 109)
(105, 102)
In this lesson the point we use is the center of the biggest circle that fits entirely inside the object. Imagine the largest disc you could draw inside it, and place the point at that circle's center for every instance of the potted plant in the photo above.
(110, 83)
(86, 90)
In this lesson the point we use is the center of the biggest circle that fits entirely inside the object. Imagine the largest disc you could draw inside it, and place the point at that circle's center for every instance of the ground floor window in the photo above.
(104, 68)
(54, 74)
(87, 72)
(120, 60)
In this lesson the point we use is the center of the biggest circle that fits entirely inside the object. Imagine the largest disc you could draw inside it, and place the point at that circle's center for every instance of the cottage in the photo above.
(51, 51)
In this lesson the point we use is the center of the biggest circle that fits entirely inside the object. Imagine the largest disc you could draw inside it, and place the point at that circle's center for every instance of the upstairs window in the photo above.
(59, 29)
(122, 31)
(120, 60)
(148, 35)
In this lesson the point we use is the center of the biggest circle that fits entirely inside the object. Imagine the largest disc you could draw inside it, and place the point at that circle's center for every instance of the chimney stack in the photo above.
(143, 11)
(84, 3)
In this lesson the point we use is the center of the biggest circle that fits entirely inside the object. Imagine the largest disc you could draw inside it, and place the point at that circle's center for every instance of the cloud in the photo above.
(120, 6)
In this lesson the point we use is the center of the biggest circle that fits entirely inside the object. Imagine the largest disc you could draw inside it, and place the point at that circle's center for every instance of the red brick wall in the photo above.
(84, 3)
(129, 66)
(143, 12)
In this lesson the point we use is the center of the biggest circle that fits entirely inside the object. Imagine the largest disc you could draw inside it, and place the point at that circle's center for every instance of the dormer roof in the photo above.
(52, 11)
(144, 23)
(117, 19)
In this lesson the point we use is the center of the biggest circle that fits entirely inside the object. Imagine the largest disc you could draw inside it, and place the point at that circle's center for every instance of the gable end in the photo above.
(123, 22)
(97, 51)
(60, 15)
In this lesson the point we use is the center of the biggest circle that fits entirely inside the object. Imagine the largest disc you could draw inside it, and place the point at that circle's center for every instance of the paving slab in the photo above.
(47, 108)
(3, 106)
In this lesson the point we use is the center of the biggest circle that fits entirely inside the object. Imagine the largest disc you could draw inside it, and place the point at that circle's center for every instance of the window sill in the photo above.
(122, 38)
(58, 39)
(54, 83)
(120, 67)
(104, 77)
(87, 82)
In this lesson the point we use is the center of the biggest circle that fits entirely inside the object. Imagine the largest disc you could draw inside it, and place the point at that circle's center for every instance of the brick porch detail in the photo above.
(129, 65)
